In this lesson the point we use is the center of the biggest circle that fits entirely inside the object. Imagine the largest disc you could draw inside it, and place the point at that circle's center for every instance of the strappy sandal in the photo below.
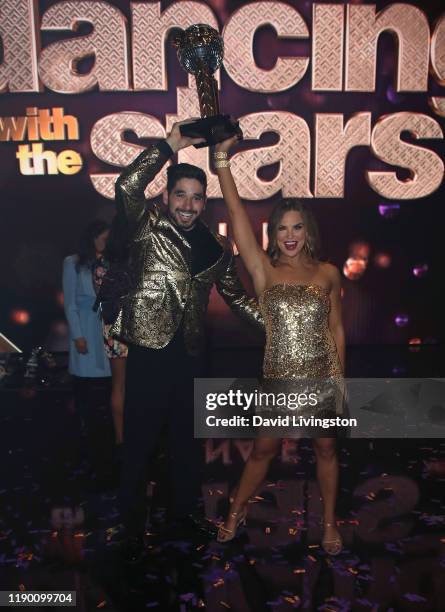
(332, 547)
(226, 535)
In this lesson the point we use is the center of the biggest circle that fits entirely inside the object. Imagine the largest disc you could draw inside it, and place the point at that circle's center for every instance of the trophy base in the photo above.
(214, 129)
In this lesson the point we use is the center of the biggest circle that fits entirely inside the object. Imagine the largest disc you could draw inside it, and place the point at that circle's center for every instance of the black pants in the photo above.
(92, 401)
(158, 394)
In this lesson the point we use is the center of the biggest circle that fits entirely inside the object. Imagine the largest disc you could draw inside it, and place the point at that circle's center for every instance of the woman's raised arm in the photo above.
(251, 253)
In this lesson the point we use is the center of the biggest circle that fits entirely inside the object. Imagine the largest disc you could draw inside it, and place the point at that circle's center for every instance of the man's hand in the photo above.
(177, 141)
(81, 346)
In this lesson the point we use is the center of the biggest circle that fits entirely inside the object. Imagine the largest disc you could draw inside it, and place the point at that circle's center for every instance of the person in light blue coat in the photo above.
(88, 361)
(87, 357)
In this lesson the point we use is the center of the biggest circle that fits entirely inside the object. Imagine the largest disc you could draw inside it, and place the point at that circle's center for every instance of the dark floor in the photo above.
(59, 524)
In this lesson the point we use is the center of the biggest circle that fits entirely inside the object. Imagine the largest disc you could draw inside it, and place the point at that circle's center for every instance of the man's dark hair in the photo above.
(179, 171)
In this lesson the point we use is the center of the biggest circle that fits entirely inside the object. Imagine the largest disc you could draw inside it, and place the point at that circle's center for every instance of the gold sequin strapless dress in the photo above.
(298, 341)
(300, 353)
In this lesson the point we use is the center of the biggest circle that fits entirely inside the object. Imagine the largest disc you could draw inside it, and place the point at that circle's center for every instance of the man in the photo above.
(174, 260)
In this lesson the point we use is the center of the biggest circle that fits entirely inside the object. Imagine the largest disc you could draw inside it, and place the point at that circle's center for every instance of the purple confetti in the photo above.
(365, 602)
(187, 596)
(414, 597)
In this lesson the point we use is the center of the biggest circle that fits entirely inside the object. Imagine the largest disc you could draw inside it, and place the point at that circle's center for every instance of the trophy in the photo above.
(200, 51)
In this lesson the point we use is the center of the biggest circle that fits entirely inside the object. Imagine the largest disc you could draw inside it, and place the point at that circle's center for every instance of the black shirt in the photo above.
(205, 250)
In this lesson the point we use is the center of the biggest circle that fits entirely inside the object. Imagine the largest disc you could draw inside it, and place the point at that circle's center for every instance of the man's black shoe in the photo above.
(133, 549)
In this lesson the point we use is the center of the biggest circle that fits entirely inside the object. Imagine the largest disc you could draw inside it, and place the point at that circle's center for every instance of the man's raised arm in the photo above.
(132, 182)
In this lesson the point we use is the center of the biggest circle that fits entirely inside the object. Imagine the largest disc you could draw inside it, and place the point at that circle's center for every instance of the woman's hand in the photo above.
(226, 145)
(81, 346)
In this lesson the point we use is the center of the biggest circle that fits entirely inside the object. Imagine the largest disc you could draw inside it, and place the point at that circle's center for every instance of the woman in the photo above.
(87, 358)
(300, 301)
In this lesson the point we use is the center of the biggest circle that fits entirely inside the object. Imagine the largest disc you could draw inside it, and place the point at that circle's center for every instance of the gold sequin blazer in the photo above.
(164, 292)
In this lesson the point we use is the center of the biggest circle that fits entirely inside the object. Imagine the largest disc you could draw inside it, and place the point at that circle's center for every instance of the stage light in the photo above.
(420, 270)
(401, 320)
(359, 250)
(20, 316)
(389, 211)
(60, 299)
(414, 344)
(382, 260)
(354, 268)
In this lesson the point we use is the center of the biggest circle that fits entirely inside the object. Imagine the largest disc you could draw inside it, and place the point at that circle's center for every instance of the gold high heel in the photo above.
(226, 535)
(336, 542)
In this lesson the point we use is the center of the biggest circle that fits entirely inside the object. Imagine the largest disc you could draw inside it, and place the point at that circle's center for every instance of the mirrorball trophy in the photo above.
(200, 51)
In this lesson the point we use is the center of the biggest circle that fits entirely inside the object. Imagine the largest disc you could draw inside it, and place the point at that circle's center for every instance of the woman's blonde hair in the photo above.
(312, 243)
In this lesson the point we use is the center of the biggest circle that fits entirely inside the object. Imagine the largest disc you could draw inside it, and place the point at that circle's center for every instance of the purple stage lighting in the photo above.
(420, 270)
(388, 211)
(401, 320)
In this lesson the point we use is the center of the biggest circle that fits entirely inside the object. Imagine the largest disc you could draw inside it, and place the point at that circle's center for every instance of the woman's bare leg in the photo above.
(327, 476)
(118, 395)
(253, 475)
